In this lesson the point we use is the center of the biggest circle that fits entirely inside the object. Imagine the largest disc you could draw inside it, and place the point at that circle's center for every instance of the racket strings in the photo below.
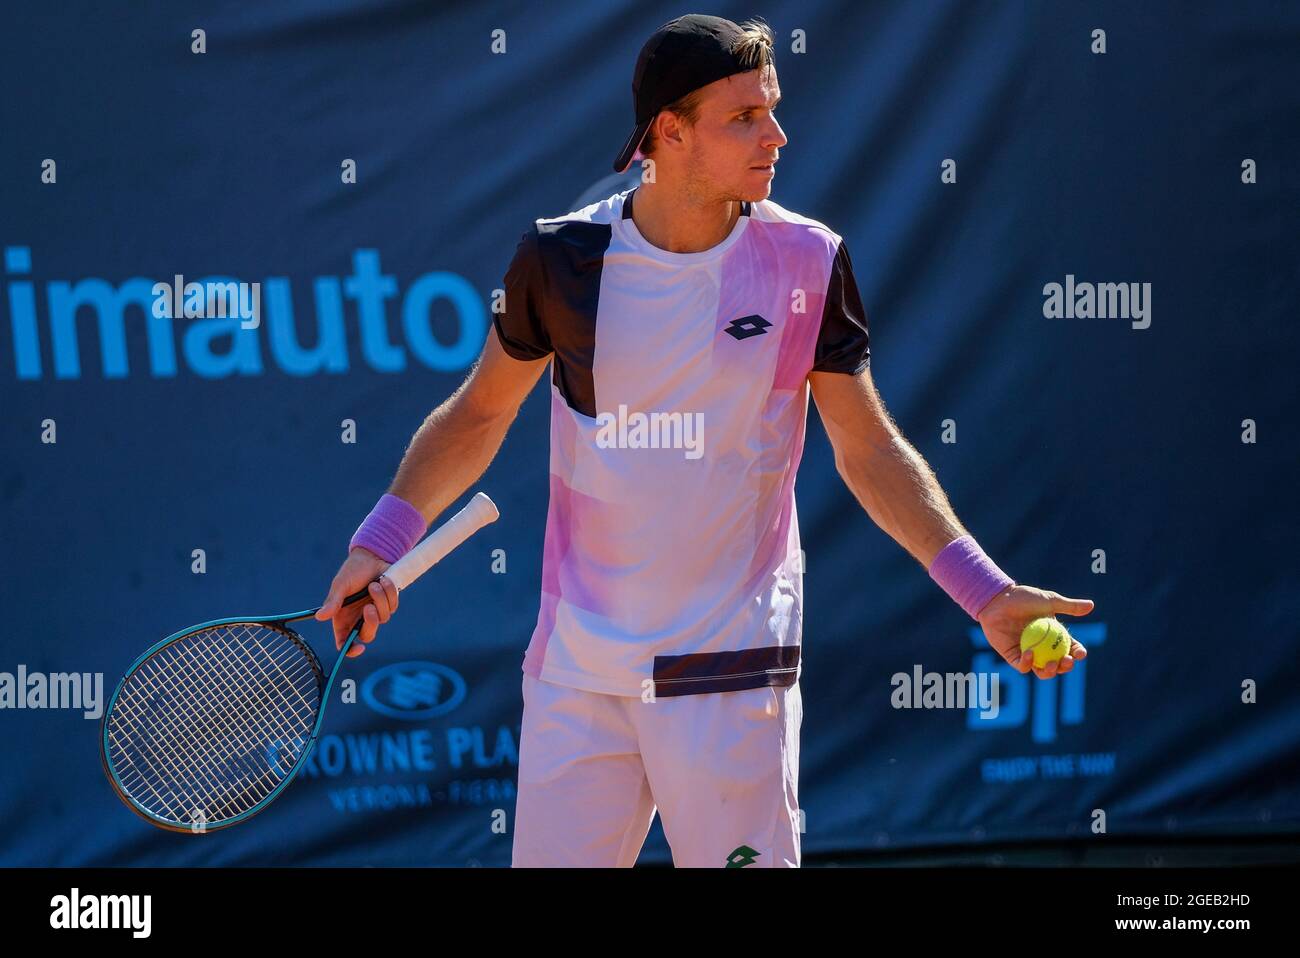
(178, 739)
(170, 761)
(209, 725)
(181, 744)
(178, 743)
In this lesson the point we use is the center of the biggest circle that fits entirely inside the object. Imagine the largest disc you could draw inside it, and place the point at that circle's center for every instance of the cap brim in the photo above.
(631, 146)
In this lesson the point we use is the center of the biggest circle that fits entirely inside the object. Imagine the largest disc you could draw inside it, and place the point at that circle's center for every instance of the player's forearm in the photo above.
(453, 447)
(900, 492)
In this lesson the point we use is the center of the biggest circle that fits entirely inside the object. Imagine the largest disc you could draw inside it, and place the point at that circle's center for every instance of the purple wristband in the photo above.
(391, 530)
(969, 576)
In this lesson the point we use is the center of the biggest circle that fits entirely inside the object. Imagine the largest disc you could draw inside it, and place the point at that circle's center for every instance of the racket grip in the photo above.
(478, 512)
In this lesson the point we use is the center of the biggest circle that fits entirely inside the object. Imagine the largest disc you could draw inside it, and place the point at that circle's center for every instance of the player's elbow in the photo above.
(497, 385)
(480, 405)
(851, 462)
(860, 455)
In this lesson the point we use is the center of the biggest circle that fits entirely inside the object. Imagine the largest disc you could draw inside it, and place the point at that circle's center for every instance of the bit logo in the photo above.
(1026, 699)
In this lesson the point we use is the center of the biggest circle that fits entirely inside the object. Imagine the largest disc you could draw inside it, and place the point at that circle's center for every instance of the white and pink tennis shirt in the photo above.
(679, 397)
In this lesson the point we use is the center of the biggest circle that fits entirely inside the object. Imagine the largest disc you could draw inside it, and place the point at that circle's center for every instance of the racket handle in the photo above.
(478, 512)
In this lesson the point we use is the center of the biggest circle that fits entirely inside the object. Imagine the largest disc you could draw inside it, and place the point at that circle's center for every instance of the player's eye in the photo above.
(744, 117)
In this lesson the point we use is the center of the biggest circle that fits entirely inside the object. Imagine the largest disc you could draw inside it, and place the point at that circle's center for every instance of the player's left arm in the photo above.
(899, 490)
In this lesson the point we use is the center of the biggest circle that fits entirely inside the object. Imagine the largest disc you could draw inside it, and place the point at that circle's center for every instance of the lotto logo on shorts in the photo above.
(742, 856)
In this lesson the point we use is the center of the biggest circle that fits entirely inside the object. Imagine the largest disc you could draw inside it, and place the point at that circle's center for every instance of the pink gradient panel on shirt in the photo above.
(740, 267)
(792, 413)
(555, 548)
(564, 442)
(571, 512)
(536, 653)
(805, 260)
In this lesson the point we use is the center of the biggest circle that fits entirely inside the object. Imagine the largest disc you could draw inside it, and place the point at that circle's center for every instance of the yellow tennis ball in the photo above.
(1047, 638)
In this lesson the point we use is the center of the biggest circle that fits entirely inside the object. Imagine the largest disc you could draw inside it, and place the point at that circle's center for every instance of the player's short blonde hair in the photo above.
(755, 48)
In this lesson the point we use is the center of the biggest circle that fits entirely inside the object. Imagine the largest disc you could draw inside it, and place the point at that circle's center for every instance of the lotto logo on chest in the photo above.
(747, 326)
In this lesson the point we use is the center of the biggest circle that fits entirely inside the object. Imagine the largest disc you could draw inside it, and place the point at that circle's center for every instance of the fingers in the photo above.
(1055, 667)
(369, 628)
(391, 590)
(343, 628)
(1023, 662)
(358, 570)
(384, 595)
(366, 617)
(1025, 665)
(369, 624)
(358, 623)
(1064, 606)
(331, 604)
(380, 608)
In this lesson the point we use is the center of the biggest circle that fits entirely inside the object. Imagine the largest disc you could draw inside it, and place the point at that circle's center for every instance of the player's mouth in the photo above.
(768, 168)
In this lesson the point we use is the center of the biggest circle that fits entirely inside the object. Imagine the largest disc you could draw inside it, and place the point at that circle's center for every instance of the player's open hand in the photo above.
(1006, 616)
(360, 567)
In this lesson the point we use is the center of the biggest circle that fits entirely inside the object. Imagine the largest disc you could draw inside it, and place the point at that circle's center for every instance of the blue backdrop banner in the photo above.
(1074, 230)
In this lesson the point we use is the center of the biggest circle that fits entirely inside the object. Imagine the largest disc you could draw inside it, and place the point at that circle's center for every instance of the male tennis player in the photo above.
(685, 322)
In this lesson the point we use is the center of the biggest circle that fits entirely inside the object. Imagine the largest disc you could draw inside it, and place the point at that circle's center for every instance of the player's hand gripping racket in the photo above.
(210, 725)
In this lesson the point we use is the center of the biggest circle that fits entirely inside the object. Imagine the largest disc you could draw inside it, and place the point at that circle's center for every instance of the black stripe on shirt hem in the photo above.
(703, 672)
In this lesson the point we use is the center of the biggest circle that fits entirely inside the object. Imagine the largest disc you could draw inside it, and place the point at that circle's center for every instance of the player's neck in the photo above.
(680, 224)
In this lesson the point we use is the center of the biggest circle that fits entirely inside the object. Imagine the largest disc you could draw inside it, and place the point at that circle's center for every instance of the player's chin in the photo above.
(757, 185)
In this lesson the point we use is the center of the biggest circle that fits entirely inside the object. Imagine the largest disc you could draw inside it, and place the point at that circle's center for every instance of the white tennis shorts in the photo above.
(722, 769)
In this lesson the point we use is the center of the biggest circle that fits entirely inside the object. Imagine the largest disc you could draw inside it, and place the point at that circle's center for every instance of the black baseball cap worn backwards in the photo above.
(683, 55)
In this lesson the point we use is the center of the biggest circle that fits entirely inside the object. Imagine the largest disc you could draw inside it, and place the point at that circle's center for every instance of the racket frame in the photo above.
(478, 512)
(324, 686)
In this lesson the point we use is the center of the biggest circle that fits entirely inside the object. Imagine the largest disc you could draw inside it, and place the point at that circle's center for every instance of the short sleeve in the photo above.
(520, 326)
(842, 342)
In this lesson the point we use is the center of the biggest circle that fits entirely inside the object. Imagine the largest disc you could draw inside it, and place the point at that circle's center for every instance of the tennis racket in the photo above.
(210, 725)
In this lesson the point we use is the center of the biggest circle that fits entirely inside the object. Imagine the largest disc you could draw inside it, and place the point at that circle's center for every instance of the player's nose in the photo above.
(775, 138)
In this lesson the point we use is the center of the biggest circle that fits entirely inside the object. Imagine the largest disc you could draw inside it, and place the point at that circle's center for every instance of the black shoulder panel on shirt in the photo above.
(552, 293)
(521, 327)
(572, 256)
(843, 345)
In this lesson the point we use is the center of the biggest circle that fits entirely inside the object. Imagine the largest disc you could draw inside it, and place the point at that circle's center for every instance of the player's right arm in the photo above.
(448, 453)
(458, 440)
